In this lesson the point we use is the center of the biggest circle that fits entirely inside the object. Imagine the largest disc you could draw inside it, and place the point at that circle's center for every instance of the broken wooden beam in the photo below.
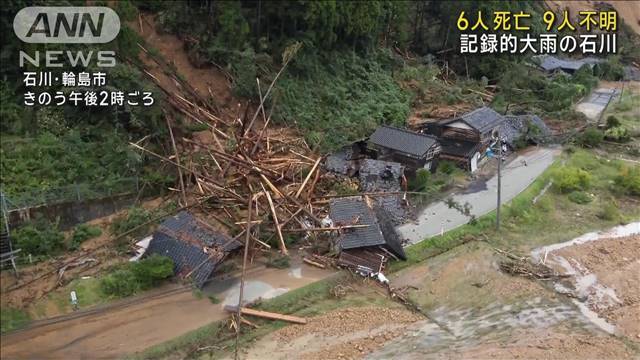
(304, 183)
(326, 228)
(266, 314)
(274, 216)
(311, 262)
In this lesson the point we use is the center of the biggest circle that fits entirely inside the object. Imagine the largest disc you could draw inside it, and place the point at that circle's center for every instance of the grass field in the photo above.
(12, 319)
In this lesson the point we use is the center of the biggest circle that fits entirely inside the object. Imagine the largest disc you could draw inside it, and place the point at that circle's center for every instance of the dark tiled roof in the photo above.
(512, 128)
(389, 232)
(549, 63)
(377, 175)
(464, 149)
(186, 227)
(186, 257)
(401, 140)
(344, 211)
(483, 119)
(516, 126)
(183, 238)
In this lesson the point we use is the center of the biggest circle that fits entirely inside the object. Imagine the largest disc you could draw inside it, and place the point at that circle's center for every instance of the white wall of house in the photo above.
(474, 161)
(460, 125)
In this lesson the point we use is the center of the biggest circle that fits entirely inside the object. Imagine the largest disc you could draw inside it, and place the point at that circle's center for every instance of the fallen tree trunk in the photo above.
(266, 314)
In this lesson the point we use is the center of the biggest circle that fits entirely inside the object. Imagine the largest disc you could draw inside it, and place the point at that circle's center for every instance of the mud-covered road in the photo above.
(136, 324)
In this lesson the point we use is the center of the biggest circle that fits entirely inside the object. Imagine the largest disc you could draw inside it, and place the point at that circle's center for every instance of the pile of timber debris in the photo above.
(523, 266)
(240, 161)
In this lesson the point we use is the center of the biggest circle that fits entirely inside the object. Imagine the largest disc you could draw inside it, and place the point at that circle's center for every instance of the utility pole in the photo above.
(499, 181)
(244, 271)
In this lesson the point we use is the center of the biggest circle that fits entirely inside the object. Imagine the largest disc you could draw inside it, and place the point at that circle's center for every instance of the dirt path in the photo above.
(135, 327)
(114, 333)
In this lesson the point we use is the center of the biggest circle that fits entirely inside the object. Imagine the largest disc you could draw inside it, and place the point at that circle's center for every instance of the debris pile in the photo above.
(384, 176)
(522, 266)
(240, 160)
(529, 128)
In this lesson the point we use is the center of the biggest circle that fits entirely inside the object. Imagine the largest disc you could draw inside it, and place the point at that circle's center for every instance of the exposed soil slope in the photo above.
(210, 82)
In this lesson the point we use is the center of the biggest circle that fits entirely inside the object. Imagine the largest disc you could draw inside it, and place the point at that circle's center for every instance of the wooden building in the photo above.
(366, 249)
(464, 139)
(412, 149)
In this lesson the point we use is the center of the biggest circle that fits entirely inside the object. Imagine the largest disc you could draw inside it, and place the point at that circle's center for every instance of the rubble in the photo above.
(240, 160)
(195, 248)
(527, 127)
(383, 176)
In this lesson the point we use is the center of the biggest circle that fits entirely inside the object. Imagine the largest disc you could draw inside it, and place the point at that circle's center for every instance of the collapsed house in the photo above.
(194, 246)
(378, 175)
(465, 138)
(364, 249)
(525, 128)
(384, 176)
(551, 64)
(412, 149)
(345, 160)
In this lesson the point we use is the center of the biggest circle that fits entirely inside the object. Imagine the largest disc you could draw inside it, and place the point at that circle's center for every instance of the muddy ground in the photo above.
(472, 310)
(135, 324)
(340, 334)
(605, 280)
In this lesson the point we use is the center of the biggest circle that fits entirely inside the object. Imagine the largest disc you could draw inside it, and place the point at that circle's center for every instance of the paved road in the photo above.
(596, 103)
(515, 178)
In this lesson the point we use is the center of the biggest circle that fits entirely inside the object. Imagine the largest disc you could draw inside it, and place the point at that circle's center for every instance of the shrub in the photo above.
(609, 211)
(133, 277)
(135, 217)
(39, 237)
(628, 181)
(568, 179)
(580, 197)
(613, 121)
(591, 138)
(421, 181)
(610, 70)
(81, 233)
(446, 167)
(617, 133)
(120, 283)
(150, 271)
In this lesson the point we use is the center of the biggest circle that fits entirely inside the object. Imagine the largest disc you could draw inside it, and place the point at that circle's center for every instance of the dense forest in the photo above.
(360, 64)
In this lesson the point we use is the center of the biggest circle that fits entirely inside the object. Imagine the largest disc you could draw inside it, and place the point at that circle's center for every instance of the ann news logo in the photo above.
(66, 24)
